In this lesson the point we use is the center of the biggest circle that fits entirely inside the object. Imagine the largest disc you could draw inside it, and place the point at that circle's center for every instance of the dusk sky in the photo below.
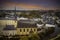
(29, 4)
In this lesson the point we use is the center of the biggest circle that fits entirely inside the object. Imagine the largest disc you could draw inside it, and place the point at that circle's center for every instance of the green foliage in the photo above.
(30, 37)
(50, 30)
(56, 37)
(34, 37)
(35, 14)
(32, 14)
(42, 35)
(45, 34)
(24, 38)
(2, 14)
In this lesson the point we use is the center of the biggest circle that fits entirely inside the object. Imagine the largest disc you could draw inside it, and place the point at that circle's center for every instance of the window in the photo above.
(38, 29)
(34, 29)
(27, 30)
(31, 29)
(24, 30)
(20, 30)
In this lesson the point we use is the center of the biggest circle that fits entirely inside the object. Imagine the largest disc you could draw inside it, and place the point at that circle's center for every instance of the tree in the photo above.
(24, 38)
(56, 37)
(45, 34)
(50, 30)
(2, 14)
(42, 34)
(34, 37)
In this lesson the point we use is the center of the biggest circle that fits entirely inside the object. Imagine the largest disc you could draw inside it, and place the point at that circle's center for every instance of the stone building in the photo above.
(25, 27)
(9, 30)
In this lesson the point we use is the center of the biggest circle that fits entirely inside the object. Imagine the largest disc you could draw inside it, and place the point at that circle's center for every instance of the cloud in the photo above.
(29, 4)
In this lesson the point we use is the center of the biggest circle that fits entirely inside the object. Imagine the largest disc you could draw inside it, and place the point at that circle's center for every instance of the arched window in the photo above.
(27, 30)
(34, 29)
(24, 30)
(20, 30)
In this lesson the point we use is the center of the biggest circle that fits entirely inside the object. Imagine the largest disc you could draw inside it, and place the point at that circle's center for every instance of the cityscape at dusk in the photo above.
(29, 19)
(30, 4)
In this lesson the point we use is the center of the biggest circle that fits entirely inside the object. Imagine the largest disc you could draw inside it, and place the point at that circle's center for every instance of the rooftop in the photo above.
(7, 18)
(26, 24)
(9, 27)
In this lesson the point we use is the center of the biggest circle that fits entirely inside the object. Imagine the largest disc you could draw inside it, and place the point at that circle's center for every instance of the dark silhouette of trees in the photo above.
(2, 14)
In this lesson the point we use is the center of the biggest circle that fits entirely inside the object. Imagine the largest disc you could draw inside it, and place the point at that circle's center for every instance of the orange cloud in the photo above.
(26, 6)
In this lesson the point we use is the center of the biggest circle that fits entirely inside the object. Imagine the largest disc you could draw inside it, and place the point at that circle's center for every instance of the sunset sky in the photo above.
(29, 4)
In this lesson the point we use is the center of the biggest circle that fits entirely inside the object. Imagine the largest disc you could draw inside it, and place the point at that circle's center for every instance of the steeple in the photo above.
(15, 9)
(15, 13)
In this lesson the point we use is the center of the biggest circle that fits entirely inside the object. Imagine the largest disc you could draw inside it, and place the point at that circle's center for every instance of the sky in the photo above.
(30, 4)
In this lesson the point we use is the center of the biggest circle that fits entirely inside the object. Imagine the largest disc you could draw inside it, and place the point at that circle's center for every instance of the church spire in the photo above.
(15, 13)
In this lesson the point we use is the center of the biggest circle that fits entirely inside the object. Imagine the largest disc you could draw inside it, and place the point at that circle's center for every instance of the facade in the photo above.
(9, 30)
(25, 27)
(8, 22)
(4, 22)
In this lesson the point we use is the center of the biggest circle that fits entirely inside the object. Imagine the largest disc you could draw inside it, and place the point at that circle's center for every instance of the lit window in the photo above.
(20, 30)
(27, 30)
(34, 29)
(24, 30)
(31, 29)
(38, 29)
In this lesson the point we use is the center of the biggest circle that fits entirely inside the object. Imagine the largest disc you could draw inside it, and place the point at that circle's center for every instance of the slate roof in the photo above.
(50, 23)
(26, 24)
(27, 21)
(7, 18)
(9, 27)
